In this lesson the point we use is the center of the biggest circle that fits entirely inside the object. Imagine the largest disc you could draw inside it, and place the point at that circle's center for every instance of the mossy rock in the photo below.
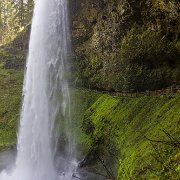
(121, 125)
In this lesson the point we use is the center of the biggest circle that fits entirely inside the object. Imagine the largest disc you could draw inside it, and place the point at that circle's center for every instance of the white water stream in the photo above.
(46, 99)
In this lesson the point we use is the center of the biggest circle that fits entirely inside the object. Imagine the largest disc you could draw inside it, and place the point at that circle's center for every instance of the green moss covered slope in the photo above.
(10, 100)
(124, 125)
(12, 62)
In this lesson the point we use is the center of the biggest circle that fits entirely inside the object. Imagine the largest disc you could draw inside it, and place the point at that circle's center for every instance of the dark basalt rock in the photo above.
(89, 159)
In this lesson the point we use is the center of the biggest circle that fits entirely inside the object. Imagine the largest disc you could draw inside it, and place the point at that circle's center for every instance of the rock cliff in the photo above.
(125, 45)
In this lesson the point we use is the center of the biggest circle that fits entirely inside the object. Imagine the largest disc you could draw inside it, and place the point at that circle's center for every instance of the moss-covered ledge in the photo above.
(124, 125)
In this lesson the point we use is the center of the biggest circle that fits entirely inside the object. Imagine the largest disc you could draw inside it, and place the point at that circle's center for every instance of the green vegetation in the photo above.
(107, 124)
(15, 16)
(148, 59)
(124, 124)
(81, 100)
(127, 45)
(10, 99)
(12, 58)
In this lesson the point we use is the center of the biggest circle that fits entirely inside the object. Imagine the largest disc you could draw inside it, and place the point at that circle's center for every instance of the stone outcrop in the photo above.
(125, 44)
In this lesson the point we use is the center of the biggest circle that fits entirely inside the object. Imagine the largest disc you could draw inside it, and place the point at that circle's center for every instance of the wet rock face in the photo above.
(99, 28)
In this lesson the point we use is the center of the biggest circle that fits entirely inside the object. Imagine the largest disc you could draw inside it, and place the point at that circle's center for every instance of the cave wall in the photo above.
(125, 45)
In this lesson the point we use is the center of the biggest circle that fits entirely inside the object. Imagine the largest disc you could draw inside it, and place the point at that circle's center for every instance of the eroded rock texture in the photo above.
(125, 45)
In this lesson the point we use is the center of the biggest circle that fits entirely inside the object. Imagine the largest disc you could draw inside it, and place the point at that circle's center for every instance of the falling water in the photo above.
(46, 98)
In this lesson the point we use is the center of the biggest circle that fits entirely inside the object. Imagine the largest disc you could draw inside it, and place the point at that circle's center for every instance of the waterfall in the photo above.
(45, 98)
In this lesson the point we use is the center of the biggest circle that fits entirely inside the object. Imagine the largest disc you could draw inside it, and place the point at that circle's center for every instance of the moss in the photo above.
(10, 98)
(124, 122)
(109, 124)
(81, 100)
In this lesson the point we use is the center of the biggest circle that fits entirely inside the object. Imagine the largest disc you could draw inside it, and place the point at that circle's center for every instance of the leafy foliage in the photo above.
(15, 15)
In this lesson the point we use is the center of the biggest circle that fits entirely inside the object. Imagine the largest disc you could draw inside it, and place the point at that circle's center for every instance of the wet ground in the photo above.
(7, 160)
